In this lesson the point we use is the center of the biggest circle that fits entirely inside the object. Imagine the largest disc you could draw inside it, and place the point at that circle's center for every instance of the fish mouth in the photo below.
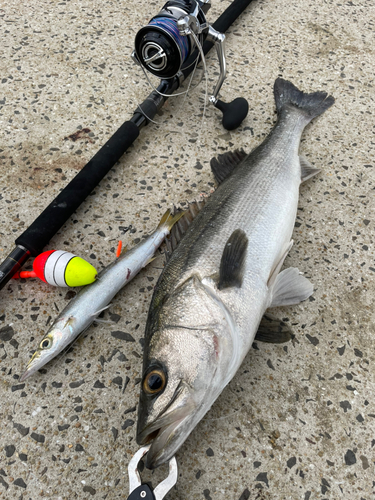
(166, 434)
(165, 438)
(36, 362)
(32, 367)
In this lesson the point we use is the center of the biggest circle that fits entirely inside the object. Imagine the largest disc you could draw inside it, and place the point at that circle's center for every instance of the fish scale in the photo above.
(209, 302)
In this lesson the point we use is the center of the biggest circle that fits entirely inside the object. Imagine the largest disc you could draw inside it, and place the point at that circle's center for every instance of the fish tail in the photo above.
(169, 218)
(312, 105)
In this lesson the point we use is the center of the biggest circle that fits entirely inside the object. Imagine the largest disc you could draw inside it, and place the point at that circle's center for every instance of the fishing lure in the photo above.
(91, 300)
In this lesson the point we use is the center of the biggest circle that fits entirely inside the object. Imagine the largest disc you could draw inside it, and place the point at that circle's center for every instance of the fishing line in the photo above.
(185, 93)
(143, 113)
(178, 93)
(170, 26)
(199, 46)
(183, 43)
(191, 79)
(224, 416)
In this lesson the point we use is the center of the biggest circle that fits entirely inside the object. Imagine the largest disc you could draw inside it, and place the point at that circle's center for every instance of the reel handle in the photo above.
(233, 112)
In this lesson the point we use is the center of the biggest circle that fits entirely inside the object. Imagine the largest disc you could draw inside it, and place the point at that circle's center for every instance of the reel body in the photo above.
(161, 47)
(173, 41)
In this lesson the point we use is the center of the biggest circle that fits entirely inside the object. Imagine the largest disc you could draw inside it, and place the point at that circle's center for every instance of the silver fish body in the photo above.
(92, 299)
(210, 299)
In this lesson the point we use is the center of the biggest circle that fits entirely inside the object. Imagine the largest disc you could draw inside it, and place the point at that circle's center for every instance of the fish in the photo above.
(92, 299)
(211, 299)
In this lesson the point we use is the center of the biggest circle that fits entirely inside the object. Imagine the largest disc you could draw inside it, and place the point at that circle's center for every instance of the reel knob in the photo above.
(233, 112)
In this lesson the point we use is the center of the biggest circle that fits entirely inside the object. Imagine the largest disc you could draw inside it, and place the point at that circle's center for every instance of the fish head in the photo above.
(52, 343)
(177, 389)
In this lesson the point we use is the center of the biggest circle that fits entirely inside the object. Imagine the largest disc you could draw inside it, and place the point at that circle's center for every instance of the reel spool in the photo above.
(161, 47)
(173, 40)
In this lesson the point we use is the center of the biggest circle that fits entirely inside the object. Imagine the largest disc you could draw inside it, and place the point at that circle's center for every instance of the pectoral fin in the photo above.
(273, 330)
(307, 170)
(232, 263)
(290, 288)
(96, 313)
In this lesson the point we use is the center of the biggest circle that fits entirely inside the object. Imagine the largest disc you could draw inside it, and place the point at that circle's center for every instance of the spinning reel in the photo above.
(172, 42)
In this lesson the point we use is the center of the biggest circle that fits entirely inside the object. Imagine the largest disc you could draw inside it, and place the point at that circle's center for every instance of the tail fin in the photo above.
(312, 105)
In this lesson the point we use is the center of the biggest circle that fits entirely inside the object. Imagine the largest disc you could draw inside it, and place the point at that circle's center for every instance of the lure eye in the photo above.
(154, 382)
(46, 343)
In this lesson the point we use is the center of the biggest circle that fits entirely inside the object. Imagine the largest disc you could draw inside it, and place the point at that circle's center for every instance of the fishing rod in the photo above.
(168, 47)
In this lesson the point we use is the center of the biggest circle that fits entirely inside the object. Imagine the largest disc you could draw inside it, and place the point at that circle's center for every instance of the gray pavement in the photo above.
(297, 421)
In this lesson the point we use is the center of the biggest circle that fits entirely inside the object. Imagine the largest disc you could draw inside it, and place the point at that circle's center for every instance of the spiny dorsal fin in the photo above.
(233, 260)
(224, 164)
(307, 170)
(273, 330)
(181, 226)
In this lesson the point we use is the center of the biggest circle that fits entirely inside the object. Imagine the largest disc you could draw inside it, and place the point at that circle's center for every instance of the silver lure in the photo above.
(209, 301)
(92, 299)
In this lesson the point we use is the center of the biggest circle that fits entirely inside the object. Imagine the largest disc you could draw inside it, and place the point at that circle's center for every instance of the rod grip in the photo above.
(38, 234)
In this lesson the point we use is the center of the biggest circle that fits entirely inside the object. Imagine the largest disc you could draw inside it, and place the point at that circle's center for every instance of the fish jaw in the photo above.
(168, 431)
(37, 361)
(32, 366)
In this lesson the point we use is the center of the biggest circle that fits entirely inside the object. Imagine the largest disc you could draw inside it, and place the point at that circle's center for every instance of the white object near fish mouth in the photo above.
(135, 479)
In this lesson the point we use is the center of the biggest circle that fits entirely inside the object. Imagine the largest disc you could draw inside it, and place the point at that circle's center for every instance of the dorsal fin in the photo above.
(181, 226)
(233, 260)
(224, 164)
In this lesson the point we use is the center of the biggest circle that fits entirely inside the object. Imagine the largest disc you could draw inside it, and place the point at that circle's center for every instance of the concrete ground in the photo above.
(298, 420)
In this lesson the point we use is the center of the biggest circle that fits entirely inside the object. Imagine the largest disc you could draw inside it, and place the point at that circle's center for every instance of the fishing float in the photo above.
(60, 268)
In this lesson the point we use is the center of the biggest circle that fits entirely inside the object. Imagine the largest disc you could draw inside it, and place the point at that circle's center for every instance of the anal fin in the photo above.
(233, 260)
(290, 288)
(273, 330)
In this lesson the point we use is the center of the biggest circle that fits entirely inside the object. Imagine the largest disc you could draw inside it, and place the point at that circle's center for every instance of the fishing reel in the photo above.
(172, 42)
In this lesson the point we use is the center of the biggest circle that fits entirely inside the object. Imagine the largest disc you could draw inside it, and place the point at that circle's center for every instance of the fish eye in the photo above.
(154, 382)
(46, 343)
